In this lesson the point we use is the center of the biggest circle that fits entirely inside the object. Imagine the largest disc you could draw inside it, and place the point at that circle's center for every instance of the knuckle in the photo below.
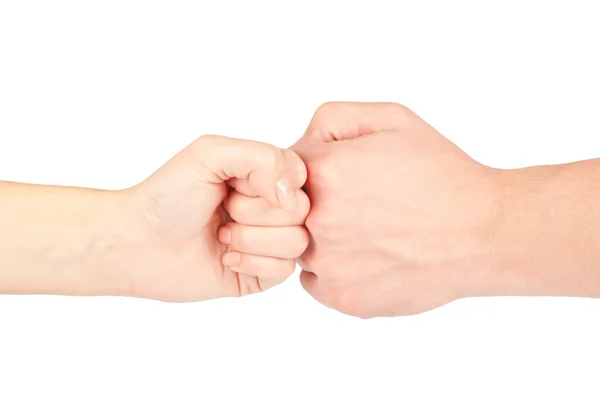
(326, 169)
(272, 269)
(288, 268)
(246, 210)
(325, 109)
(207, 140)
(301, 241)
(322, 226)
(240, 238)
(235, 206)
(308, 282)
(343, 300)
(392, 107)
(319, 261)
(403, 114)
(322, 266)
(315, 225)
(305, 262)
(330, 165)
(201, 142)
(271, 156)
(303, 208)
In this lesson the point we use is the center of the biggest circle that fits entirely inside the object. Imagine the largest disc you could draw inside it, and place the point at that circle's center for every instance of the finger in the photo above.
(302, 259)
(221, 158)
(258, 212)
(294, 169)
(310, 283)
(266, 268)
(243, 187)
(337, 121)
(251, 284)
(247, 284)
(268, 282)
(277, 242)
(315, 288)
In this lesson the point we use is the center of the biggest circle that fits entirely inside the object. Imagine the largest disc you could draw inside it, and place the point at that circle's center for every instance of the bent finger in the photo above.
(278, 242)
(258, 212)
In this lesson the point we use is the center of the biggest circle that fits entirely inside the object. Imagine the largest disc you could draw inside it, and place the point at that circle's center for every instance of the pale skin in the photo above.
(401, 221)
(161, 239)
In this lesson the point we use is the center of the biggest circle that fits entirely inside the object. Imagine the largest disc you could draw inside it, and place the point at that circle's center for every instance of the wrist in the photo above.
(82, 244)
(476, 244)
(489, 275)
(62, 240)
(516, 231)
(533, 249)
(106, 263)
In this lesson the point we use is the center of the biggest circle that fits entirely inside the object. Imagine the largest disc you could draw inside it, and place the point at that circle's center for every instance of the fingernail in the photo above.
(231, 258)
(285, 194)
(225, 235)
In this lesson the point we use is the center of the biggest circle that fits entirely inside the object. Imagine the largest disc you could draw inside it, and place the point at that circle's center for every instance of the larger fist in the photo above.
(401, 218)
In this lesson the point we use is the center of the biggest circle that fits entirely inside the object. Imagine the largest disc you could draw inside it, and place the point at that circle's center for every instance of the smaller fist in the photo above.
(182, 244)
(264, 240)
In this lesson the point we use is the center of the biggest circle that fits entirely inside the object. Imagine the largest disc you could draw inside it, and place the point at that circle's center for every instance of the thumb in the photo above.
(221, 159)
(295, 172)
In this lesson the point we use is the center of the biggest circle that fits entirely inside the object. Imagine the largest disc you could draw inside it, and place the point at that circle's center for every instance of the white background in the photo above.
(101, 93)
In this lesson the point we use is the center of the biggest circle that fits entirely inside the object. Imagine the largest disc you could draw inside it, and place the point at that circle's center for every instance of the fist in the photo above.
(401, 218)
(183, 243)
(264, 239)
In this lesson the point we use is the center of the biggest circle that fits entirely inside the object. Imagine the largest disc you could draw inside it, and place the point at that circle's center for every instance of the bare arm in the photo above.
(404, 221)
(547, 233)
(167, 238)
(58, 240)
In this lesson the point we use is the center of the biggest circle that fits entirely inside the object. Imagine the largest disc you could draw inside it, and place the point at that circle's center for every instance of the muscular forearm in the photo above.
(57, 240)
(547, 236)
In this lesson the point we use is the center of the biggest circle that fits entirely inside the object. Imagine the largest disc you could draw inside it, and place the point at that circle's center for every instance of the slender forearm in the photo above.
(548, 232)
(58, 240)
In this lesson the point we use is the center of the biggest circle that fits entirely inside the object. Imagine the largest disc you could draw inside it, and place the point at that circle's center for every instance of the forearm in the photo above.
(547, 237)
(58, 240)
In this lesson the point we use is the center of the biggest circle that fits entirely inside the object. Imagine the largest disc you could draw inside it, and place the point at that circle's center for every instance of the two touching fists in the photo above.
(385, 216)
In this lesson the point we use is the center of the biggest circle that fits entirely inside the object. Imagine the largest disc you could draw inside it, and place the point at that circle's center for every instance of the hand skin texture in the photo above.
(164, 238)
(403, 221)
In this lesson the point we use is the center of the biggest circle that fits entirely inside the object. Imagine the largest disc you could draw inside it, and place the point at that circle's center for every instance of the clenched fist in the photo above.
(401, 219)
(171, 237)
(187, 248)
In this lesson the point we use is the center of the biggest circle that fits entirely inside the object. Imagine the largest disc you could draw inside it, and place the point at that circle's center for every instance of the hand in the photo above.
(401, 218)
(178, 245)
